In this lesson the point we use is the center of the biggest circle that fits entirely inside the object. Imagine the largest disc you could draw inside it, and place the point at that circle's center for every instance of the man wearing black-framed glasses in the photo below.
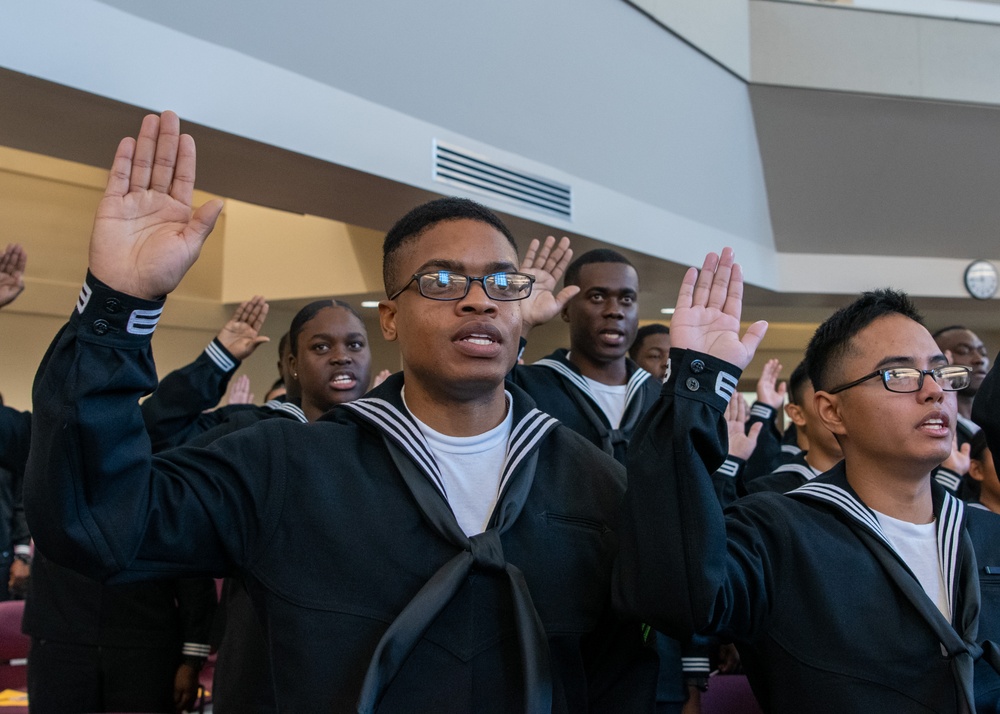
(870, 588)
(963, 347)
(424, 548)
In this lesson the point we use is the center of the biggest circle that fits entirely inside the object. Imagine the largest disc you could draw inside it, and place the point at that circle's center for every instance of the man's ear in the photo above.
(794, 412)
(387, 319)
(828, 407)
(976, 470)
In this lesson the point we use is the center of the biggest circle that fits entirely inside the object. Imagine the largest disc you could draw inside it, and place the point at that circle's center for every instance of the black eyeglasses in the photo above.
(951, 378)
(446, 285)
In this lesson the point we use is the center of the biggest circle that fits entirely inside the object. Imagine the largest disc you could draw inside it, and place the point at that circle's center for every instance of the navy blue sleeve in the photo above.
(683, 567)
(764, 458)
(15, 438)
(173, 413)
(96, 498)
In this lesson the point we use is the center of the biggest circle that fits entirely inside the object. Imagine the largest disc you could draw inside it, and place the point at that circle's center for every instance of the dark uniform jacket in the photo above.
(796, 472)
(176, 412)
(559, 389)
(373, 595)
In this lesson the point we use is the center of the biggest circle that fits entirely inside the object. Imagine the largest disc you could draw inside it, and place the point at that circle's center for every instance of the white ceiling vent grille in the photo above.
(458, 167)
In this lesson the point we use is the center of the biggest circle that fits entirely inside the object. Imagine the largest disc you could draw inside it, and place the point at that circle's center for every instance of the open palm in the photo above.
(707, 314)
(146, 234)
(547, 262)
(13, 261)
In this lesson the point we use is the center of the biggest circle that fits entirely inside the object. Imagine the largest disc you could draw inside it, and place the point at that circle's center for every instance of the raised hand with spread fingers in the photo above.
(12, 263)
(241, 334)
(709, 306)
(768, 390)
(146, 233)
(547, 262)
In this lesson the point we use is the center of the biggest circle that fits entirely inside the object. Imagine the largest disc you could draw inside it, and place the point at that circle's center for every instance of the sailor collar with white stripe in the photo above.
(287, 408)
(949, 511)
(804, 470)
(559, 362)
(383, 408)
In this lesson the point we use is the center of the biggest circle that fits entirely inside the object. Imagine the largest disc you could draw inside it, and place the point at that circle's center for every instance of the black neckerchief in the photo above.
(384, 410)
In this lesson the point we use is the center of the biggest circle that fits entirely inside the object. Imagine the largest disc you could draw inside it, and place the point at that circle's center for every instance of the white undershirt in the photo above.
(611, 399)
(916, 544)
(470, 468)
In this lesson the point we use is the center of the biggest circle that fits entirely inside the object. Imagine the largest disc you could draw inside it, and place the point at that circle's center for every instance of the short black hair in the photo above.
(425, 216)
(949, 328)
(283, 345)
(643, 332)
(797, 383)
(977, 445)
(598, 255)
(309, 312)
(832, 340)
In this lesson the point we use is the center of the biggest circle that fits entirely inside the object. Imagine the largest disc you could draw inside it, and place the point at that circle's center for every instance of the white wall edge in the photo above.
(852, 274)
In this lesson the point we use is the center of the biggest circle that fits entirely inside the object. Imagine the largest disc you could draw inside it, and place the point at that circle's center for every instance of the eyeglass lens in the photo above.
(500, 286)
(950, 379)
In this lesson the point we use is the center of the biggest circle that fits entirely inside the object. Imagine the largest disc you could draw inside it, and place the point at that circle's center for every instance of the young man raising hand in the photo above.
(863, 590)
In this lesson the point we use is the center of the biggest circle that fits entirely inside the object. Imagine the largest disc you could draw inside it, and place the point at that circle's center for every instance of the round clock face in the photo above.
(981, 279)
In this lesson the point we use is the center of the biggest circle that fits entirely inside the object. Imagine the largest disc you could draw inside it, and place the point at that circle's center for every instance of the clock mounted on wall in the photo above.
(981, 279)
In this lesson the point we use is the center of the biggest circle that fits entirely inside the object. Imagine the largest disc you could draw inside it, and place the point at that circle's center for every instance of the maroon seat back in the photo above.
(14, 646)
(729, 694)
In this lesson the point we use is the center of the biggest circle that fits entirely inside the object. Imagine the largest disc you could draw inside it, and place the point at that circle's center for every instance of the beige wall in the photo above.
(291, 259)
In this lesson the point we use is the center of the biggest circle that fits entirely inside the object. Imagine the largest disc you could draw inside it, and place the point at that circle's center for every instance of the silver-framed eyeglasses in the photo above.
(446, 285)
(951, 378)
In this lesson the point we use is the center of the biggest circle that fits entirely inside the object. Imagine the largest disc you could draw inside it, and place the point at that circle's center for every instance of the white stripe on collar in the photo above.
(631, 388)
(406, 434)
(804, 470)
(949, 538)
(846, 503)
(949, 522)
(524, 436)
(287, 407)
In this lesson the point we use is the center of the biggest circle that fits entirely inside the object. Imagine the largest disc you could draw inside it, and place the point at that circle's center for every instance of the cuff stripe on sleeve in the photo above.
(195, 649)
(143, 322)
(725, 385)
(81, 302)
(220, 358)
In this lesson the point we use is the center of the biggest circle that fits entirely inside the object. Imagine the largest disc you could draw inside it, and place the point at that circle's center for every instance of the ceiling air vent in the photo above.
(458, 167)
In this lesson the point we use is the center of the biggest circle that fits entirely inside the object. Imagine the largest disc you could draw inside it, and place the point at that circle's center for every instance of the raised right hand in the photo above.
(12, 263)
(241, 334)
(708, 309)
(768, 390)
(146, 234)
(547, 262)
